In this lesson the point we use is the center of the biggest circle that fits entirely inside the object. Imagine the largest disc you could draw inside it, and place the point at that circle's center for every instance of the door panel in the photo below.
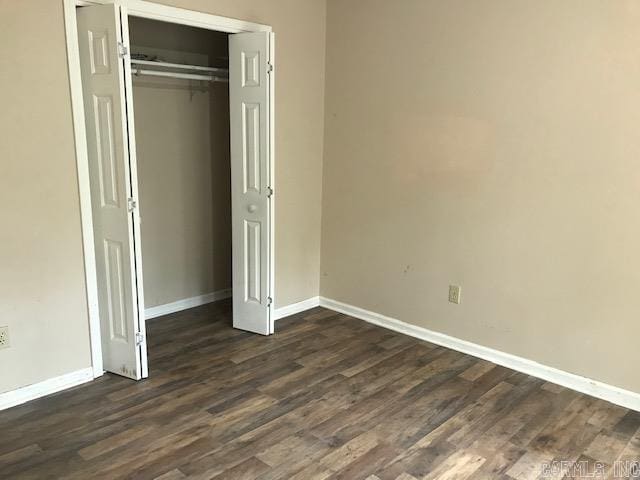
(99, 32)
(116, 297)
(249, 87)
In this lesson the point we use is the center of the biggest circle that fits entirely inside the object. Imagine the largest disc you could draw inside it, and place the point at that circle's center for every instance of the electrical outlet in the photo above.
(4, 337)
(454, 293)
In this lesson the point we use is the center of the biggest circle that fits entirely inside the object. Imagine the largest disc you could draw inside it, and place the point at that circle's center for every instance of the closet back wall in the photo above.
(182, 139)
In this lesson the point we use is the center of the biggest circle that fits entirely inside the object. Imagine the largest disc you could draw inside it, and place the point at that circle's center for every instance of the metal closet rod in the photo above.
(188, 76)
(200, 68)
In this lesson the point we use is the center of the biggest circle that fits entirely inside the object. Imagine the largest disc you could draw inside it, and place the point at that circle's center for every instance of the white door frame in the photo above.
(153, 11)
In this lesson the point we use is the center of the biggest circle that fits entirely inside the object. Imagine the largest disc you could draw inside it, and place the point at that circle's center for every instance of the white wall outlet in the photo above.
(454, 293)
(4, 337)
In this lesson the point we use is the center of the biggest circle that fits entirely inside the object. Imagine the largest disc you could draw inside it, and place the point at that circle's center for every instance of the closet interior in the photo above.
(181, 105)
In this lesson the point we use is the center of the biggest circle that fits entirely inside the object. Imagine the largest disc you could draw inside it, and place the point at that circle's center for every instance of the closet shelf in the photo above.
(211, 74)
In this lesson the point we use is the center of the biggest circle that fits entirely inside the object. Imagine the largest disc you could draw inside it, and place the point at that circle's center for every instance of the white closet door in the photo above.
(103, 80)
(249, 73)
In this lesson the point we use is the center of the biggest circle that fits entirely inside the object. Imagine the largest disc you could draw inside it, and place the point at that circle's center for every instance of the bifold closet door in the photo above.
(249, 94)
(103, 81)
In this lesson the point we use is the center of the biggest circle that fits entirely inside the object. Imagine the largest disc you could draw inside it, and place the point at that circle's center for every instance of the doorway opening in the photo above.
(184, 167)
(181, 109)
(176, 170)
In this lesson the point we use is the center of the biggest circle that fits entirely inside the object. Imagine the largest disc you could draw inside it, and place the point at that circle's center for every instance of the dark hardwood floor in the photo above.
(328, 396)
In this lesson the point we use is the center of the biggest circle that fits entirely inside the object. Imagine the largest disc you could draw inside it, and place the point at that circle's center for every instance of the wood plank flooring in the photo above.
(326, 397)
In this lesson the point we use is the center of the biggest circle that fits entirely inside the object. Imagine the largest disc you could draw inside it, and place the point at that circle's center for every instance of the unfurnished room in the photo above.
(320, 239)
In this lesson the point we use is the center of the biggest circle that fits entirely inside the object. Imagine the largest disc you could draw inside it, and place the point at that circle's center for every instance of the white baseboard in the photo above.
(619, 396)
(183, 304)
(46, 387)
(180, 305)
(294, 308)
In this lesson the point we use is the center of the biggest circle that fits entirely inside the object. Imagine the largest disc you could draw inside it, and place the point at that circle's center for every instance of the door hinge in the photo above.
(269, 67)
(269, 192)
(123, 51)
(132, 204)
(269, 301)
(139, 339)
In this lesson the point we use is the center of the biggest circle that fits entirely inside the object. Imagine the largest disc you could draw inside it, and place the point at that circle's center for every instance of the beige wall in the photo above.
(42, 293)
(43, 298)
(493, 145)
(184, 171)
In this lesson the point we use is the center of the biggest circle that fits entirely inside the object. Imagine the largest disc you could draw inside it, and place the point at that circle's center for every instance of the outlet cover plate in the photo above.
(454, 294)
(4, 337)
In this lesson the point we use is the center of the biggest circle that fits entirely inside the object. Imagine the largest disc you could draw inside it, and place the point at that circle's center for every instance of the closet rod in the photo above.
(180, 65)
(188, 76)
